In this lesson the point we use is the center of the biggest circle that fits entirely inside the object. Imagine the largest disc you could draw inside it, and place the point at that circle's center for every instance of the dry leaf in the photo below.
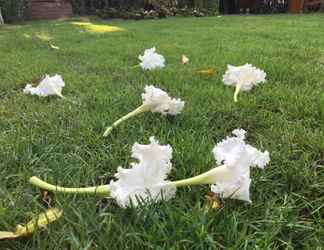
(46, 198)
(207, 72)
(40, 221)
(7, 235)
(212, 201)
(184, 59)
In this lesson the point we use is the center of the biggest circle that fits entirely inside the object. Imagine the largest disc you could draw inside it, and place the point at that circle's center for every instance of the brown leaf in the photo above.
(212, 201)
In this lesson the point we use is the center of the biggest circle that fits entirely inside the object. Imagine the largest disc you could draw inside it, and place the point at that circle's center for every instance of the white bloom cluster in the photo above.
(48, 86)
(237, 157)
(146, 180)
(246, 76)
(151, 60)
(159, 101)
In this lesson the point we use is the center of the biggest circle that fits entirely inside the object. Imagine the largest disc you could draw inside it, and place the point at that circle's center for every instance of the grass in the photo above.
(61, 140)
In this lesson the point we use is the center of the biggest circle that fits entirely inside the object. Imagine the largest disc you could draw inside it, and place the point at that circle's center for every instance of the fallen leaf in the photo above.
(7, 235)
(46, 198)
(212, 201)
(184, 59)
(207, 72)
(40, 221)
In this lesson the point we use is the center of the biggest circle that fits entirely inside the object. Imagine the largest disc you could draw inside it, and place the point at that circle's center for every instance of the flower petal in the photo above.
(146, 180)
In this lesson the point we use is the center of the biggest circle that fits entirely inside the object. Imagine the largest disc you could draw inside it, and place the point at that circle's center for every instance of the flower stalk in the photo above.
(141, 109)
(209, 177)
(237, 91)
(102, 190)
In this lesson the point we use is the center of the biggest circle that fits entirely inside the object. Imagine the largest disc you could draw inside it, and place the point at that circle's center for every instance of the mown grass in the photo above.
(61, 140)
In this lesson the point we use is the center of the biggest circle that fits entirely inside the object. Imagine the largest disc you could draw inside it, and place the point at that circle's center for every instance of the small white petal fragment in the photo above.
(237, 156)
(159, 101)
(184, 59)
(151, 60)
(48, 86)
(243, 77)
(146, 180)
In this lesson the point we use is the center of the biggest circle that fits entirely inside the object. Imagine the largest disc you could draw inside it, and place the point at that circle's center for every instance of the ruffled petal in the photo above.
(146, 180)
(159, 101)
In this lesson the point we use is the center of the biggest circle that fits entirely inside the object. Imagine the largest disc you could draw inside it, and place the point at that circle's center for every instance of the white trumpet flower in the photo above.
(151, 60)
(48, 86)
(145, 181)
(232, 178)
(243, 77)
(237, 157)
(154, 100)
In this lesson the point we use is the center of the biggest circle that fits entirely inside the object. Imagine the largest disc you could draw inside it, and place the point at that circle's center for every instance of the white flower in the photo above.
(146, 180)
(151, 60)
(154, 100)
(237, 157)
(159, 101)
(48, 86)
(243, 77)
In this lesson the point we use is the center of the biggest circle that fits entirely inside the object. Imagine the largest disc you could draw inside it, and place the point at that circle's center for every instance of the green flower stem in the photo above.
(221, 173)
(99, 190)
(141, 109)
(60, 95)
(237, 90)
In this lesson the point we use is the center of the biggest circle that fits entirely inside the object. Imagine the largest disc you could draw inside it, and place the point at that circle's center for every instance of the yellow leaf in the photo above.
(207, 72)
(184, 59)
(7, 235)
(212, 201)
(40, 221)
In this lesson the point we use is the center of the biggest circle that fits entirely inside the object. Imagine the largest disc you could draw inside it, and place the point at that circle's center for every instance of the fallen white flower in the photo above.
(48, 86)
(237, 157)
(146, 180)
(156, 101)
(151, 60)
(159, 101)
(243, 77)
(232, 178)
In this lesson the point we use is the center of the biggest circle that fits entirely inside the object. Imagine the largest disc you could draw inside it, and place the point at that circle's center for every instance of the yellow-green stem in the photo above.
(209, 177)
(237, 91)
(139, 110)
(99, 190)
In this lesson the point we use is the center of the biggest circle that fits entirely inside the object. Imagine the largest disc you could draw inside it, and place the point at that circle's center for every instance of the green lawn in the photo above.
(61, 140)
